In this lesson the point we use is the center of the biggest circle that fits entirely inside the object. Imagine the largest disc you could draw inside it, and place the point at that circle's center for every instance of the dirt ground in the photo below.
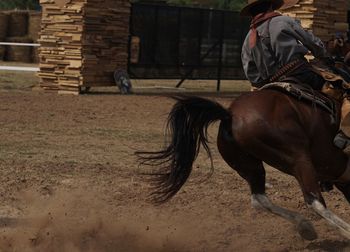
(70, 182)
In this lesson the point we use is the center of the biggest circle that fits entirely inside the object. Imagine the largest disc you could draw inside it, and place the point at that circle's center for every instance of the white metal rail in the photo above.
(19, 44)
(18, 68)
(22, 69)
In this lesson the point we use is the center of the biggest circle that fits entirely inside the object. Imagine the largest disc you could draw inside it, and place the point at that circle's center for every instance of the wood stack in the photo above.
(325, 18)
(18, 24)
(60, 39)
(21, 27)
(3, 32)
(105, 41)
(34, 32)
(82, 43)
(19, 53)
(4, 17)
(34, 25)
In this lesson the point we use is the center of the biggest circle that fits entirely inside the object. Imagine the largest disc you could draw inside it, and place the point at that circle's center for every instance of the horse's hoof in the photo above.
(306, 230)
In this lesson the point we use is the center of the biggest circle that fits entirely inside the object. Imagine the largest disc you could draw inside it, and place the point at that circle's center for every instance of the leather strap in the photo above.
(288, 68)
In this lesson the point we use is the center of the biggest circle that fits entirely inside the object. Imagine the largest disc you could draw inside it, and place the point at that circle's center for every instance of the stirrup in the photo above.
(341, 140)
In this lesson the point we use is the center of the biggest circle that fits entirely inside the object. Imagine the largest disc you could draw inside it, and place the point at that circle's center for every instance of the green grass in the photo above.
(16, 80)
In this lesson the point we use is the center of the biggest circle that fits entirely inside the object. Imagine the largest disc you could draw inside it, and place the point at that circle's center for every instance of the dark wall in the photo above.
(177, 40)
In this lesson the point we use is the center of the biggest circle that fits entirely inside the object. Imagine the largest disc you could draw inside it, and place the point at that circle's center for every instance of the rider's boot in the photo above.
(342, 139)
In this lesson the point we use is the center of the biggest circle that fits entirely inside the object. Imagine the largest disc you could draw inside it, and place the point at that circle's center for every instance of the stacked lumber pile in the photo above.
(34, 28)
(325, 18)
(4, 19)
(82, 43)
(19, 27)
(61, 49)
(17, 32)
(34, 25)
(105, 40)
(19, 53)
(18, 24)
(3, 32)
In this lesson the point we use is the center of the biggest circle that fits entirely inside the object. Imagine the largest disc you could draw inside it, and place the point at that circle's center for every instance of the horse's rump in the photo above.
(271, 124)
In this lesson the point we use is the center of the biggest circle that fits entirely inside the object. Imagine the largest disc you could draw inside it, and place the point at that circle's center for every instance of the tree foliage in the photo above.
(235, 5)
(19, 4)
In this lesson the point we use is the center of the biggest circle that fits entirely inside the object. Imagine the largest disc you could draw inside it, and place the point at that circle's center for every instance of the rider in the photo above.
(275, 49)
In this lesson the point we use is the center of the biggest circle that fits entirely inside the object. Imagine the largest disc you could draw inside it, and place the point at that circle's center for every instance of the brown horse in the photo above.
(262, 126)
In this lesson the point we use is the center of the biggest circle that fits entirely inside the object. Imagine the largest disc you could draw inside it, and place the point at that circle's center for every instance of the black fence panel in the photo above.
(182, 42)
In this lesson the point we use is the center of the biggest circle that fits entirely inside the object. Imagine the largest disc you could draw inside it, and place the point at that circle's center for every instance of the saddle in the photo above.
(308, 95)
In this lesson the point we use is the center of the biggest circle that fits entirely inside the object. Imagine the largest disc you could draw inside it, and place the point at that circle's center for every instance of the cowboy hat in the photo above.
(276, 4)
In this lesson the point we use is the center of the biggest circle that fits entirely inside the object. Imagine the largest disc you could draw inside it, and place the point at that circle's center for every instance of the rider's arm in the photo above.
(249, 66)
(310, 41)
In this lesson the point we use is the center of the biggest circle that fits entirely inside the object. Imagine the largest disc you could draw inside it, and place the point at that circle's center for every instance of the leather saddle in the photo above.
(307, 94)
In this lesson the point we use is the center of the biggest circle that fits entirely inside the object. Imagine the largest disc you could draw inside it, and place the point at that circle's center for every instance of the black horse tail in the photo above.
(187, 127)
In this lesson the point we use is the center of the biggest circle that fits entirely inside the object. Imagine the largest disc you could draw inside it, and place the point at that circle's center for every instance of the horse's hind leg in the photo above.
(252, 170)
(306, 176)
(345, 189)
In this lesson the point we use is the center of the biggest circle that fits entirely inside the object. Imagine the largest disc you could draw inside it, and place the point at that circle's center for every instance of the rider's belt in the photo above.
(288, 68)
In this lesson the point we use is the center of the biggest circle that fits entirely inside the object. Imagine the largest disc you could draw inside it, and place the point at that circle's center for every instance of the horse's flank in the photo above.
(275, 127)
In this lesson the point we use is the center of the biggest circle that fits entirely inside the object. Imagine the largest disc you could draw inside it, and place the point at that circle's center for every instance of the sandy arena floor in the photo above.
(70, 182)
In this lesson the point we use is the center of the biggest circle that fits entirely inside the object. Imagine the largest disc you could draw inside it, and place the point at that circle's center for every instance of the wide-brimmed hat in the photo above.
(276, 4)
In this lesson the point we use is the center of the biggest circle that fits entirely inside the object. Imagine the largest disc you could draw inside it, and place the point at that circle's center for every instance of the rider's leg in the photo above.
(342, 139)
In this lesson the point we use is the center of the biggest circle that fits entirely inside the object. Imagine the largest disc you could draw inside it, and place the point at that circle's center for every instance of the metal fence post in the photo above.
(221, 42)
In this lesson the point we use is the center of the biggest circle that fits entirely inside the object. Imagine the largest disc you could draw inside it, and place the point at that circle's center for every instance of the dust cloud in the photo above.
(76, 221)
